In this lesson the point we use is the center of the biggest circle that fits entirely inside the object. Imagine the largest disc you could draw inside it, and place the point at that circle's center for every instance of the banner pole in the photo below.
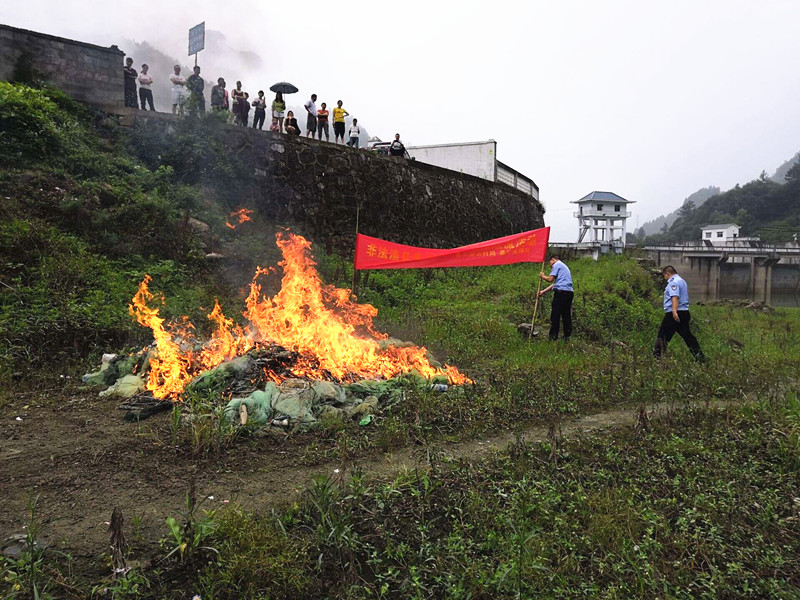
(536, 305)
(353, 288)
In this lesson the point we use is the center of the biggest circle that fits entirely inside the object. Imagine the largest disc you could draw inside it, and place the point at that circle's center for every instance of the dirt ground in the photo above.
(73, 450)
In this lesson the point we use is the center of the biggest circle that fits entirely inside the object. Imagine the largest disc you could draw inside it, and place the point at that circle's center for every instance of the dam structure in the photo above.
(735, 270)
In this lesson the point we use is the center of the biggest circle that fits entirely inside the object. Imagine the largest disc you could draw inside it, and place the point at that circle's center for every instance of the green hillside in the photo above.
(762, 208)
(88, 208)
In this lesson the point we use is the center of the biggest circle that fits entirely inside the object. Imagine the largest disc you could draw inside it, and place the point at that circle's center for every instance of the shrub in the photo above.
(35, 126)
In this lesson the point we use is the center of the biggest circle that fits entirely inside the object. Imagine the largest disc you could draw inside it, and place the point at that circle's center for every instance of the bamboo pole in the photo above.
(536, 305)
(353, 288)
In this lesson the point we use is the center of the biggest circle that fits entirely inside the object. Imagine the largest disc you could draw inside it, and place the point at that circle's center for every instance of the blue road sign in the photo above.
(197, 38)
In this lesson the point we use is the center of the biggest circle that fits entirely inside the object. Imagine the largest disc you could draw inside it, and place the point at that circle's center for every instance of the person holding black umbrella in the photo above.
(278, 108)
(278, 105)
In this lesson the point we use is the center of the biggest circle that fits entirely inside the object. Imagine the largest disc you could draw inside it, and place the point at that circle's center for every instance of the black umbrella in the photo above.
(284, 87)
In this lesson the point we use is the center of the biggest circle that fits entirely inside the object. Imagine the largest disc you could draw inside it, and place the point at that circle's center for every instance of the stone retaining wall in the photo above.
(317, 186)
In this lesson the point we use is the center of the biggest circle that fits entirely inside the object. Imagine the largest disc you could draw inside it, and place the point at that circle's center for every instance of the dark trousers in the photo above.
(669, 327)
(258, 118)
(146, 96)
(561, 311)
(130, 96)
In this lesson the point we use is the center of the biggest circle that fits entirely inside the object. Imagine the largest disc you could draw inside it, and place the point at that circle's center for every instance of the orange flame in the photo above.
(170, 367)
(227, 342)
(241, 215)
(334, 336)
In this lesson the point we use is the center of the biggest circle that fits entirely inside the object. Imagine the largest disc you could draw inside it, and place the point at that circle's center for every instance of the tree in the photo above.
(686, 208)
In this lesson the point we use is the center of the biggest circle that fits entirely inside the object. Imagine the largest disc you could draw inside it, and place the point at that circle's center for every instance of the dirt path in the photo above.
(82, 460)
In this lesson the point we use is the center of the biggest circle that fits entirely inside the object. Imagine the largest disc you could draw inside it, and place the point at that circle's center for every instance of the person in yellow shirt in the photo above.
(338, 121)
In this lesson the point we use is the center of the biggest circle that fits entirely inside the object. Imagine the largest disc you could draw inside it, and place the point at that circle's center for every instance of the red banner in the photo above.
(530, 246)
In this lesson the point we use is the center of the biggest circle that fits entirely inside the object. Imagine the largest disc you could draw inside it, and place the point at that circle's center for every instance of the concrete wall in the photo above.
(316, 187)
(472, 158)
(86, 72)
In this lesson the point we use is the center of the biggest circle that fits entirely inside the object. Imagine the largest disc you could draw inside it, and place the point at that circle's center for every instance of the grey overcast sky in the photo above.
(651, 100)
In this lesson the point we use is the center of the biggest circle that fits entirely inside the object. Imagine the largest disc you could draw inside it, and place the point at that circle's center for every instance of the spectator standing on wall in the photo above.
(219, 96)
(338, 121)
(278, 108)
(145, 92)
(130, 83)
(322, 122)
(261, 110)
(237, 96)
(355, 134)
(245, 108)
(196, 85)
(311, 120)
(274, 127)
(292, 128)
(178, 83)
(397, 147)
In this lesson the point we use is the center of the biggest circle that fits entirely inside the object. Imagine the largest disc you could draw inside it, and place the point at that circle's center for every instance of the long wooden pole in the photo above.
(353, 288)
(535, 305)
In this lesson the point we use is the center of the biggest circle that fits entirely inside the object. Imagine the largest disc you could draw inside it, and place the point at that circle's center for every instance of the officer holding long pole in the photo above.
(561, 309)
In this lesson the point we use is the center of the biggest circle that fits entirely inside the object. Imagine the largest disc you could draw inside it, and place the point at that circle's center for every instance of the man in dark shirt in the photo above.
(219, 96)
(195, 85)
(130, 83)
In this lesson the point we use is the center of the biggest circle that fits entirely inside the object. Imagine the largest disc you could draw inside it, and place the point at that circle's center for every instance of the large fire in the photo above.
(333, 335)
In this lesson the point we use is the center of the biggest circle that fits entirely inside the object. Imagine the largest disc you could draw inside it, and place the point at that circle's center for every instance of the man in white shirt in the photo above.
(311, 121)
(178, 82)
(355, 134)
(145, 92)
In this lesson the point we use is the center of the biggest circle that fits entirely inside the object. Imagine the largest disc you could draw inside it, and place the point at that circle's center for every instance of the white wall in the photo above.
(728, 234)
(473, 158)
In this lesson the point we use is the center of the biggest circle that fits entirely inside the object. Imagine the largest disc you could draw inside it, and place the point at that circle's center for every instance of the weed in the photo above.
(26, 575)
(189, 540)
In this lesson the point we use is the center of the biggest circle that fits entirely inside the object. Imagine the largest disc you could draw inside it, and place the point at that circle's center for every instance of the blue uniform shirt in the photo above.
(563, 277)
(676, 286)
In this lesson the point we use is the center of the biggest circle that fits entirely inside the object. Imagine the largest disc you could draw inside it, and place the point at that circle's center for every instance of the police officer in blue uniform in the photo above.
(676, 315)
(561, 309)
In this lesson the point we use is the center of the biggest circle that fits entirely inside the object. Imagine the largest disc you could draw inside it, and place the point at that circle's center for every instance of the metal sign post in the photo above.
(197, 40)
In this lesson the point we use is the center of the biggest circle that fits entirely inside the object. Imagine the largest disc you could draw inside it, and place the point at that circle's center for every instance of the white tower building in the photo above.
(602, 216)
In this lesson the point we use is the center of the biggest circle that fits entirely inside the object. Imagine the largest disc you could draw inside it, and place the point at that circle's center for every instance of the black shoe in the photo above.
(566, 338)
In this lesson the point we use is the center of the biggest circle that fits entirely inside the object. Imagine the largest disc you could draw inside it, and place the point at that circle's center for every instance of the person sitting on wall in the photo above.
(397, 148)
(196, 85)
(292, 128)
(145, 92)
(129, 73)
